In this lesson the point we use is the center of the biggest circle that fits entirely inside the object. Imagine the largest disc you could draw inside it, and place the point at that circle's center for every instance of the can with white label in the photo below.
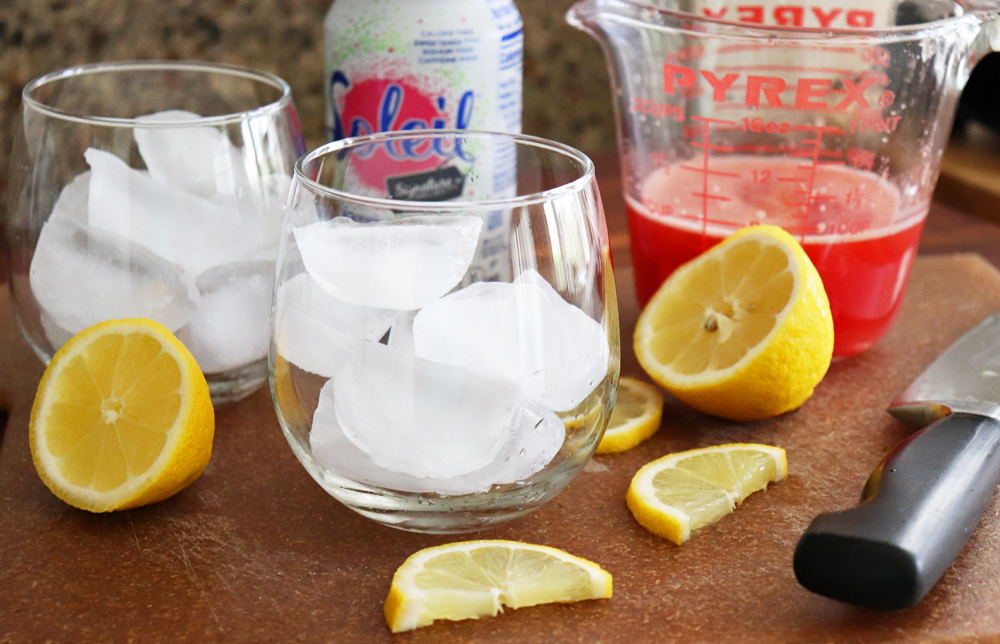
(428, 64)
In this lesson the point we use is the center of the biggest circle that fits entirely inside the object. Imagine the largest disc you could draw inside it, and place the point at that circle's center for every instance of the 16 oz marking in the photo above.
(760, 125)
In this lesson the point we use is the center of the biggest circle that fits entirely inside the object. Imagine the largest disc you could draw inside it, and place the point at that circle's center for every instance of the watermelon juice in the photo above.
(848, 221)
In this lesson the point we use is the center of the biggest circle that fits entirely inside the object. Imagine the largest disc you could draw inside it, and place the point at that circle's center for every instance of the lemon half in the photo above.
(122, 417)
(743, 331)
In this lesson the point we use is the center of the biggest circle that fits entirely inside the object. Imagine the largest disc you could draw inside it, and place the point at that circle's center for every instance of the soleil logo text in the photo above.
(389, 105)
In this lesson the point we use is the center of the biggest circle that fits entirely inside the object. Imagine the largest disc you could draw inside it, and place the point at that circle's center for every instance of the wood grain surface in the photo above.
(255, 551)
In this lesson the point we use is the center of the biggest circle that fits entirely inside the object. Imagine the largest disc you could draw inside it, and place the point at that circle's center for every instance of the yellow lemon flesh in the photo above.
(743, 331)
(679, 493)
(473, 579)
(122, 417)
(635, 418)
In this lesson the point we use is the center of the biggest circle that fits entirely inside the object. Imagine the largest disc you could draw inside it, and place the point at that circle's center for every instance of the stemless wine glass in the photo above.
(445, 347)
(153, 190)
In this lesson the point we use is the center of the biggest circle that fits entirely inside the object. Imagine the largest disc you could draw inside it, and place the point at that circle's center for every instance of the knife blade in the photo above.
(921, 504)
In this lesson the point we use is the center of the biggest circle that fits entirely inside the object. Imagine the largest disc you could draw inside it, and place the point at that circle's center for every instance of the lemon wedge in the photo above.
(473, 579)
(122, 417)
(679, 493)
(635, 418)
(743, 331)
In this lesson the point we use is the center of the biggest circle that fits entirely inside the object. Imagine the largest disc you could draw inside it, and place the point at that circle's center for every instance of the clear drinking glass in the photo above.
(445, 346)
(153, 190)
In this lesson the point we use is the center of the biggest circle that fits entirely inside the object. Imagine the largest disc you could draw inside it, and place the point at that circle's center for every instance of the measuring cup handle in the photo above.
(918, 510)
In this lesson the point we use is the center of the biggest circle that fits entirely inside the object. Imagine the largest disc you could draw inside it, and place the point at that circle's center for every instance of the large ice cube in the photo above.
(199, 160)
(401, 332)
(180, 227)
(532, 445)
(72, 201)
(312, 326)
(400, 265)
(534, 440)
(57, 335)
(419, 417)
(524, 331)
(335, 452)
(231, 326)
(81, 276)
(261, 209)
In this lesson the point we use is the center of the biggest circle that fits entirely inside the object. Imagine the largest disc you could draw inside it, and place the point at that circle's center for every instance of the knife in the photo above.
(922, 502)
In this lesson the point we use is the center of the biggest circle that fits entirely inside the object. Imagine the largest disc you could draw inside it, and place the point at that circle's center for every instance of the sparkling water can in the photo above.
(429, 64)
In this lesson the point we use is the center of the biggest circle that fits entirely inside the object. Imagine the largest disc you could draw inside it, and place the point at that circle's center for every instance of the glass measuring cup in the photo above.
(828, 119)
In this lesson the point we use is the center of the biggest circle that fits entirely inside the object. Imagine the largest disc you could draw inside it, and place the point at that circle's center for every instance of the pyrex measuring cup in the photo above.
(828, 119)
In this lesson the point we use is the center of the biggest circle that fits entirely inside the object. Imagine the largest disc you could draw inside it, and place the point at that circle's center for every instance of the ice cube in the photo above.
(199, 160)
(422, 418)
(81, 276)
(231, 326)
(182, 228)
(72, 201)
(524, 331)
(401, 332)
(312, 326)
(401, 265)
(335, 452)
(531, 445)
(57, 335)
(261, 209)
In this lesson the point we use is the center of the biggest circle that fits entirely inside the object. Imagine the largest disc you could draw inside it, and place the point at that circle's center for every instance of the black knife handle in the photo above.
(917, 511)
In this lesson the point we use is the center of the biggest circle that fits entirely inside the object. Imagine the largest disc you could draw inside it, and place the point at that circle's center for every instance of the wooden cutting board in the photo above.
(255, 551)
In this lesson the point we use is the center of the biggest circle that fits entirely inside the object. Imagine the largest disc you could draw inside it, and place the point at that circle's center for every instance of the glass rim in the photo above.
(628, 10)
(158, 65)
(586, 177)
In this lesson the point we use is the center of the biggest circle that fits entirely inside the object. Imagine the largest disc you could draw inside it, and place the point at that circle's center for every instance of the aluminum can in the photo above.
(428, 64)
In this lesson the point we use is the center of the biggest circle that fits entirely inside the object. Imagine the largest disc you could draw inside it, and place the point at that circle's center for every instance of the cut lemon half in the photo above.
(636, 416)
(122, 417)
(679, 493)
(743, 331)
(473, 579)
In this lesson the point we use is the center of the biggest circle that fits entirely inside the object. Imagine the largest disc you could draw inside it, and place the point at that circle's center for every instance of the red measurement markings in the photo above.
(812, 149)
(736, 49)
(802, 69)
(707, 148)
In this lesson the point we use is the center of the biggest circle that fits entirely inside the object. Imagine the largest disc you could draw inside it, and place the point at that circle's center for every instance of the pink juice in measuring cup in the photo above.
(849, 223)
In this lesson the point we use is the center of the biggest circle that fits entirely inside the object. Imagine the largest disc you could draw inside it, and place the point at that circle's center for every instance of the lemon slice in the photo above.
(636, 416)
(743, 331)
(122, 417)
(473, 579)
(679, 493)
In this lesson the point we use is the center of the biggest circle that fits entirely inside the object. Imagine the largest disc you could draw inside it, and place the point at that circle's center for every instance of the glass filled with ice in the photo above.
(445, 347)
(153, 190)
